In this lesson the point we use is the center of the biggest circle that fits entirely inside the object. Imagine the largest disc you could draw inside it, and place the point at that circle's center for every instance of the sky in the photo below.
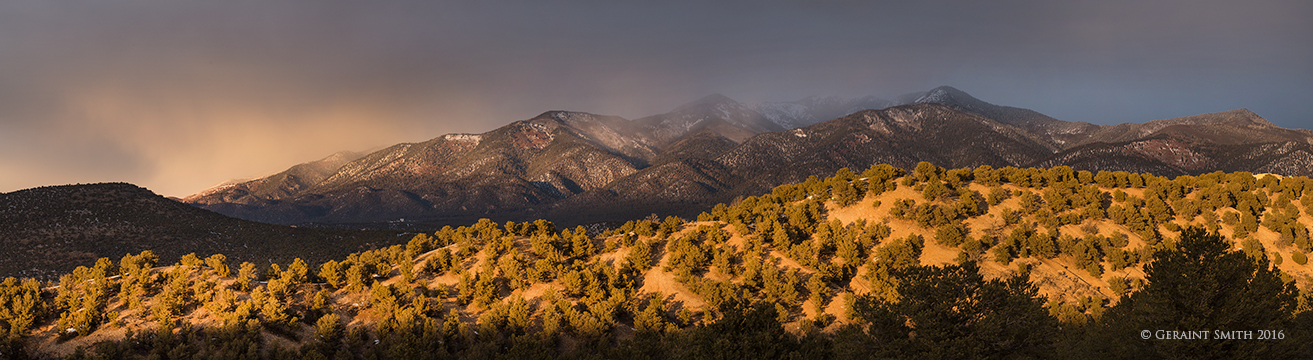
(178, 96)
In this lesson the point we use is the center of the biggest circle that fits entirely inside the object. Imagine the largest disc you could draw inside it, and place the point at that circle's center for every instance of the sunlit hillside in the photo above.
(811, 261)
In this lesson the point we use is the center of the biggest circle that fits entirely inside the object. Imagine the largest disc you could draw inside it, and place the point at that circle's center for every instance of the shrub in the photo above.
(1119, 285)
(216, 262)
(331, 272)
(245, 274)
(296, 272)
(951, 235)
(329, 328)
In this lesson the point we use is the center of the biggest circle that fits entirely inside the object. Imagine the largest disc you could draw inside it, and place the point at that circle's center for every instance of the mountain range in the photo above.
(577, 167)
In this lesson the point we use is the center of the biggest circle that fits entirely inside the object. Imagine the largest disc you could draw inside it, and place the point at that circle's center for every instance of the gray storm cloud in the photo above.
(180, 96)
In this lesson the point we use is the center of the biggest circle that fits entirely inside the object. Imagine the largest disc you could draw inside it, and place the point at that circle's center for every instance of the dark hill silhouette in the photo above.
(50, 230)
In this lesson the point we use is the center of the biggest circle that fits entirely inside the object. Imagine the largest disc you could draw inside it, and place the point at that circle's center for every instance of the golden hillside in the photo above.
(811, 252)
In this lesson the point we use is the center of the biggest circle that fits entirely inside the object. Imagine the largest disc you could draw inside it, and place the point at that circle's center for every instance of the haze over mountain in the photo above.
(180, 96)
(815, 109)
(580, 167)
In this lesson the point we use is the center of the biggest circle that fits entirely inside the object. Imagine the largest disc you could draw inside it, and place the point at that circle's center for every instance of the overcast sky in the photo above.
(177, 96)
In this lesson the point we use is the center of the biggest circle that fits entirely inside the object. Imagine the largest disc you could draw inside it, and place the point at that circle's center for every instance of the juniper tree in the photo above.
(296, 272)
(652, 318)
(216, 262)
(1202, 285)
(356, 278)
(953, 312)
(951, 235)
(329, 329)
(331, 272)
(245, 273)
(641, 255)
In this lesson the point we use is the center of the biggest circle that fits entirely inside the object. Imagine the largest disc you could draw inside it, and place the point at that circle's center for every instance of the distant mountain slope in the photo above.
(578, 167)
(900, 136)
(281, 185)
(1055, 134)
(51, 230)
(1236, 140)
(1173, 155)
(816, 109)
(582, 167)
(1239, 126)
(526, 165)
(716, 112)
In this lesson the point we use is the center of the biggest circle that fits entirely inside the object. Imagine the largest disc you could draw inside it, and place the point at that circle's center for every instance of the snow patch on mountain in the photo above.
(475, 138)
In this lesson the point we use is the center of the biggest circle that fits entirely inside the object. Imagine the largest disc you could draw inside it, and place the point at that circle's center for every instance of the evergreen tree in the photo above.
(652, 318)
(356, 278)
(296, 272)
(844, 191)
(1089, 256)
(329, 329)
(951, 235)
(581, 245)
(746, 331)
(20, 306)
(641, 255)
(143, 261)
(1200, 286)
(216, 262)
(245, 274)
(331, 272)
(901, 253)
(951, 312)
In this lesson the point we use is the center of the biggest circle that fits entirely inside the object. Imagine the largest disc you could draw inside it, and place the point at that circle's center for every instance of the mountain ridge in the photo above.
(563, 164)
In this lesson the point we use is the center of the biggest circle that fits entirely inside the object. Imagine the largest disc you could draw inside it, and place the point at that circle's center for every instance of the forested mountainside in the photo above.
(928, 263)
(48, 231)
(575, 167)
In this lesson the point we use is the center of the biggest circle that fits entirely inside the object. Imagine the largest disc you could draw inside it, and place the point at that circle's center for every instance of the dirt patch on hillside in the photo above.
(655, 280)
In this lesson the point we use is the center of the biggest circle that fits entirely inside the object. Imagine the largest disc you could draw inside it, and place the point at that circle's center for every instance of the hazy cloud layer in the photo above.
(179, 96)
